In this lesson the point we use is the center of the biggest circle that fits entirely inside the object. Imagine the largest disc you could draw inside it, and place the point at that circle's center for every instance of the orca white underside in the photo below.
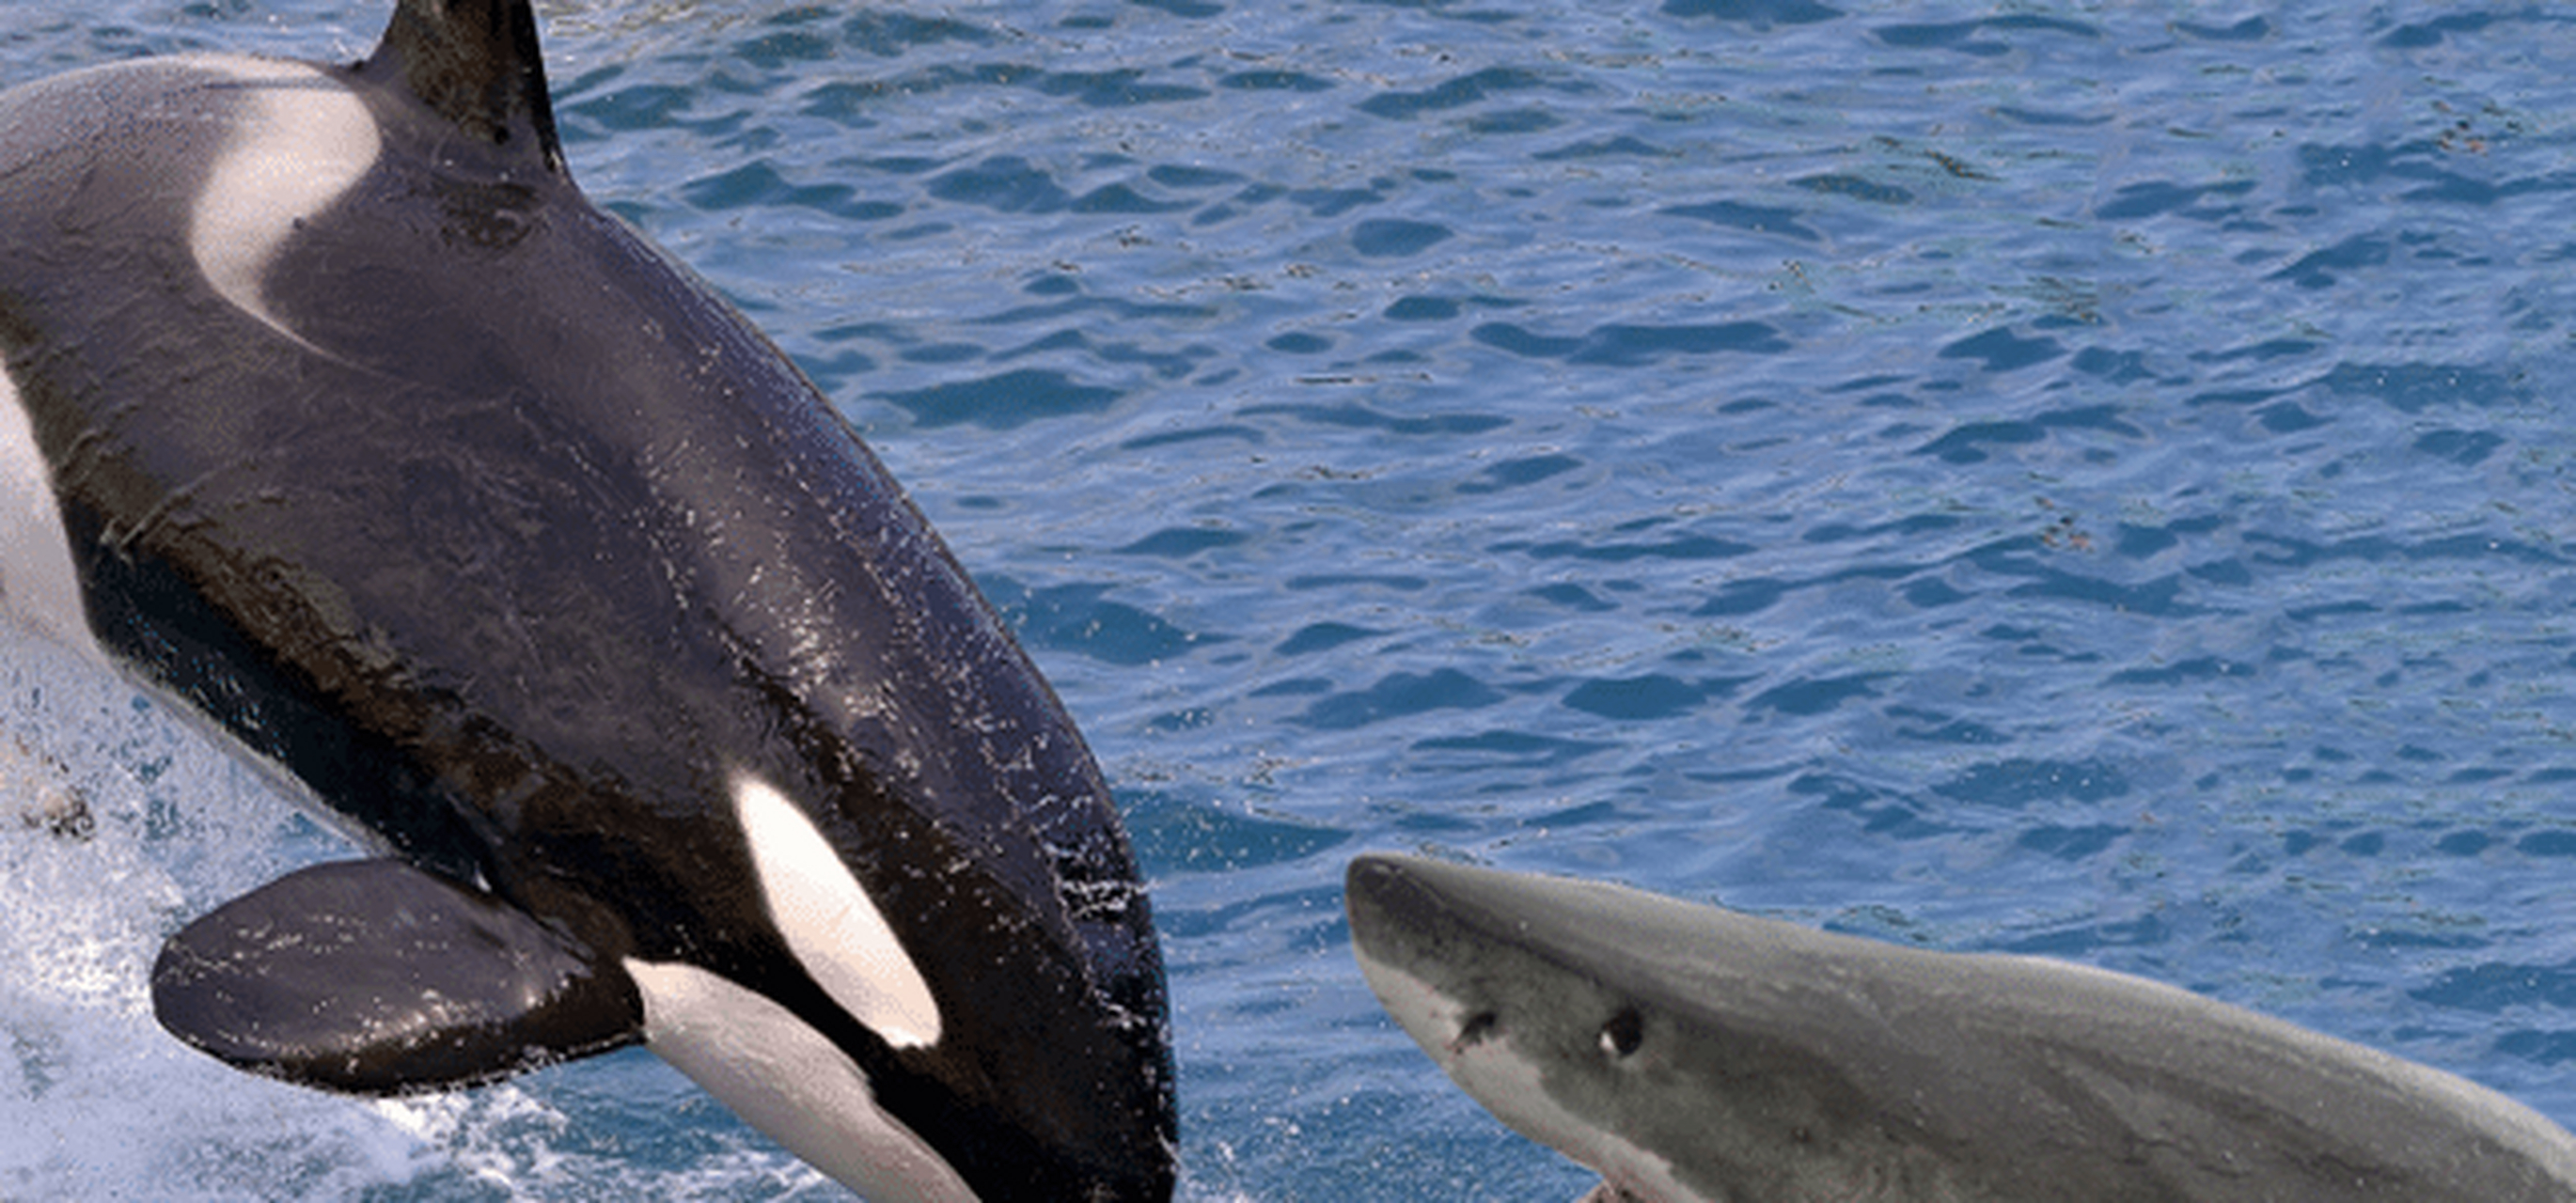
(333, 416)
(38, 584)
(785, 1079)
(310, 140)
(40, 594)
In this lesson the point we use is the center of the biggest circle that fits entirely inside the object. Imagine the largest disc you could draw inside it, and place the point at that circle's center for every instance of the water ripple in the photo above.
(2076, 480)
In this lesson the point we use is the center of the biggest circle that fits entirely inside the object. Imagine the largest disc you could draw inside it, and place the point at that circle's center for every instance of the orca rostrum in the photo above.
(1697, 1055)
(334, 414)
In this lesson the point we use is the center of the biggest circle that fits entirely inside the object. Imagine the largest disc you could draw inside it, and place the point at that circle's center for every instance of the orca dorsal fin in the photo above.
(475, 63)
(372, 977)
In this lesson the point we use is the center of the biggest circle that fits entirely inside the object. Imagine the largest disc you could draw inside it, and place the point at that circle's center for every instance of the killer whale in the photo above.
(331, 412)
(1695, 1054)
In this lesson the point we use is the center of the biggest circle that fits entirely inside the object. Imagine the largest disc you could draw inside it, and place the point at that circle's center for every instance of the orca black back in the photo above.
(451, 500)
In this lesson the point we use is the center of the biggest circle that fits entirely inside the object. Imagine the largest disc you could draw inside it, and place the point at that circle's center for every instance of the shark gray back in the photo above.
(1695, 1054)
(333, 413)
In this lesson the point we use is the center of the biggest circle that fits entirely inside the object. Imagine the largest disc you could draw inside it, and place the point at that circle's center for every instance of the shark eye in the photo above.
(1478, 1026)
(1625, 1031)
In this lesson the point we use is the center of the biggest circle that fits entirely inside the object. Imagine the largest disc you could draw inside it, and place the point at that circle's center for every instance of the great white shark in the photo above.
(332, 413)
(1697, 1055)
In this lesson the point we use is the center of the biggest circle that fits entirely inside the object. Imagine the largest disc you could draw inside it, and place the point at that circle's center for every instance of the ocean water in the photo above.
(2074, 478)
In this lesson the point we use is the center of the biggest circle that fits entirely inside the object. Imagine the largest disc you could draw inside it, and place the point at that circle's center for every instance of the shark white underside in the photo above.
(1695, 1055)
(1510, 1082)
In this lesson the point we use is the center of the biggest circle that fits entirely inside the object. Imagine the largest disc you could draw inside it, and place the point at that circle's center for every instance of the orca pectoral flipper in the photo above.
(376, 978)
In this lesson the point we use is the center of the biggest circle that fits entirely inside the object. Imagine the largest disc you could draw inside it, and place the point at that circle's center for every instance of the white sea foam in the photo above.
(116, 824)
(97, 1102)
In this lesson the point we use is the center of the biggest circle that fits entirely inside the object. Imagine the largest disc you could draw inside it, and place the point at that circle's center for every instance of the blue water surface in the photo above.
(2074, 479)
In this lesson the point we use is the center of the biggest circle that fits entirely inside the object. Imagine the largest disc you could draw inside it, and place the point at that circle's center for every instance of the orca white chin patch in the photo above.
(829, 922)
(784, 1078)
(305, 142)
